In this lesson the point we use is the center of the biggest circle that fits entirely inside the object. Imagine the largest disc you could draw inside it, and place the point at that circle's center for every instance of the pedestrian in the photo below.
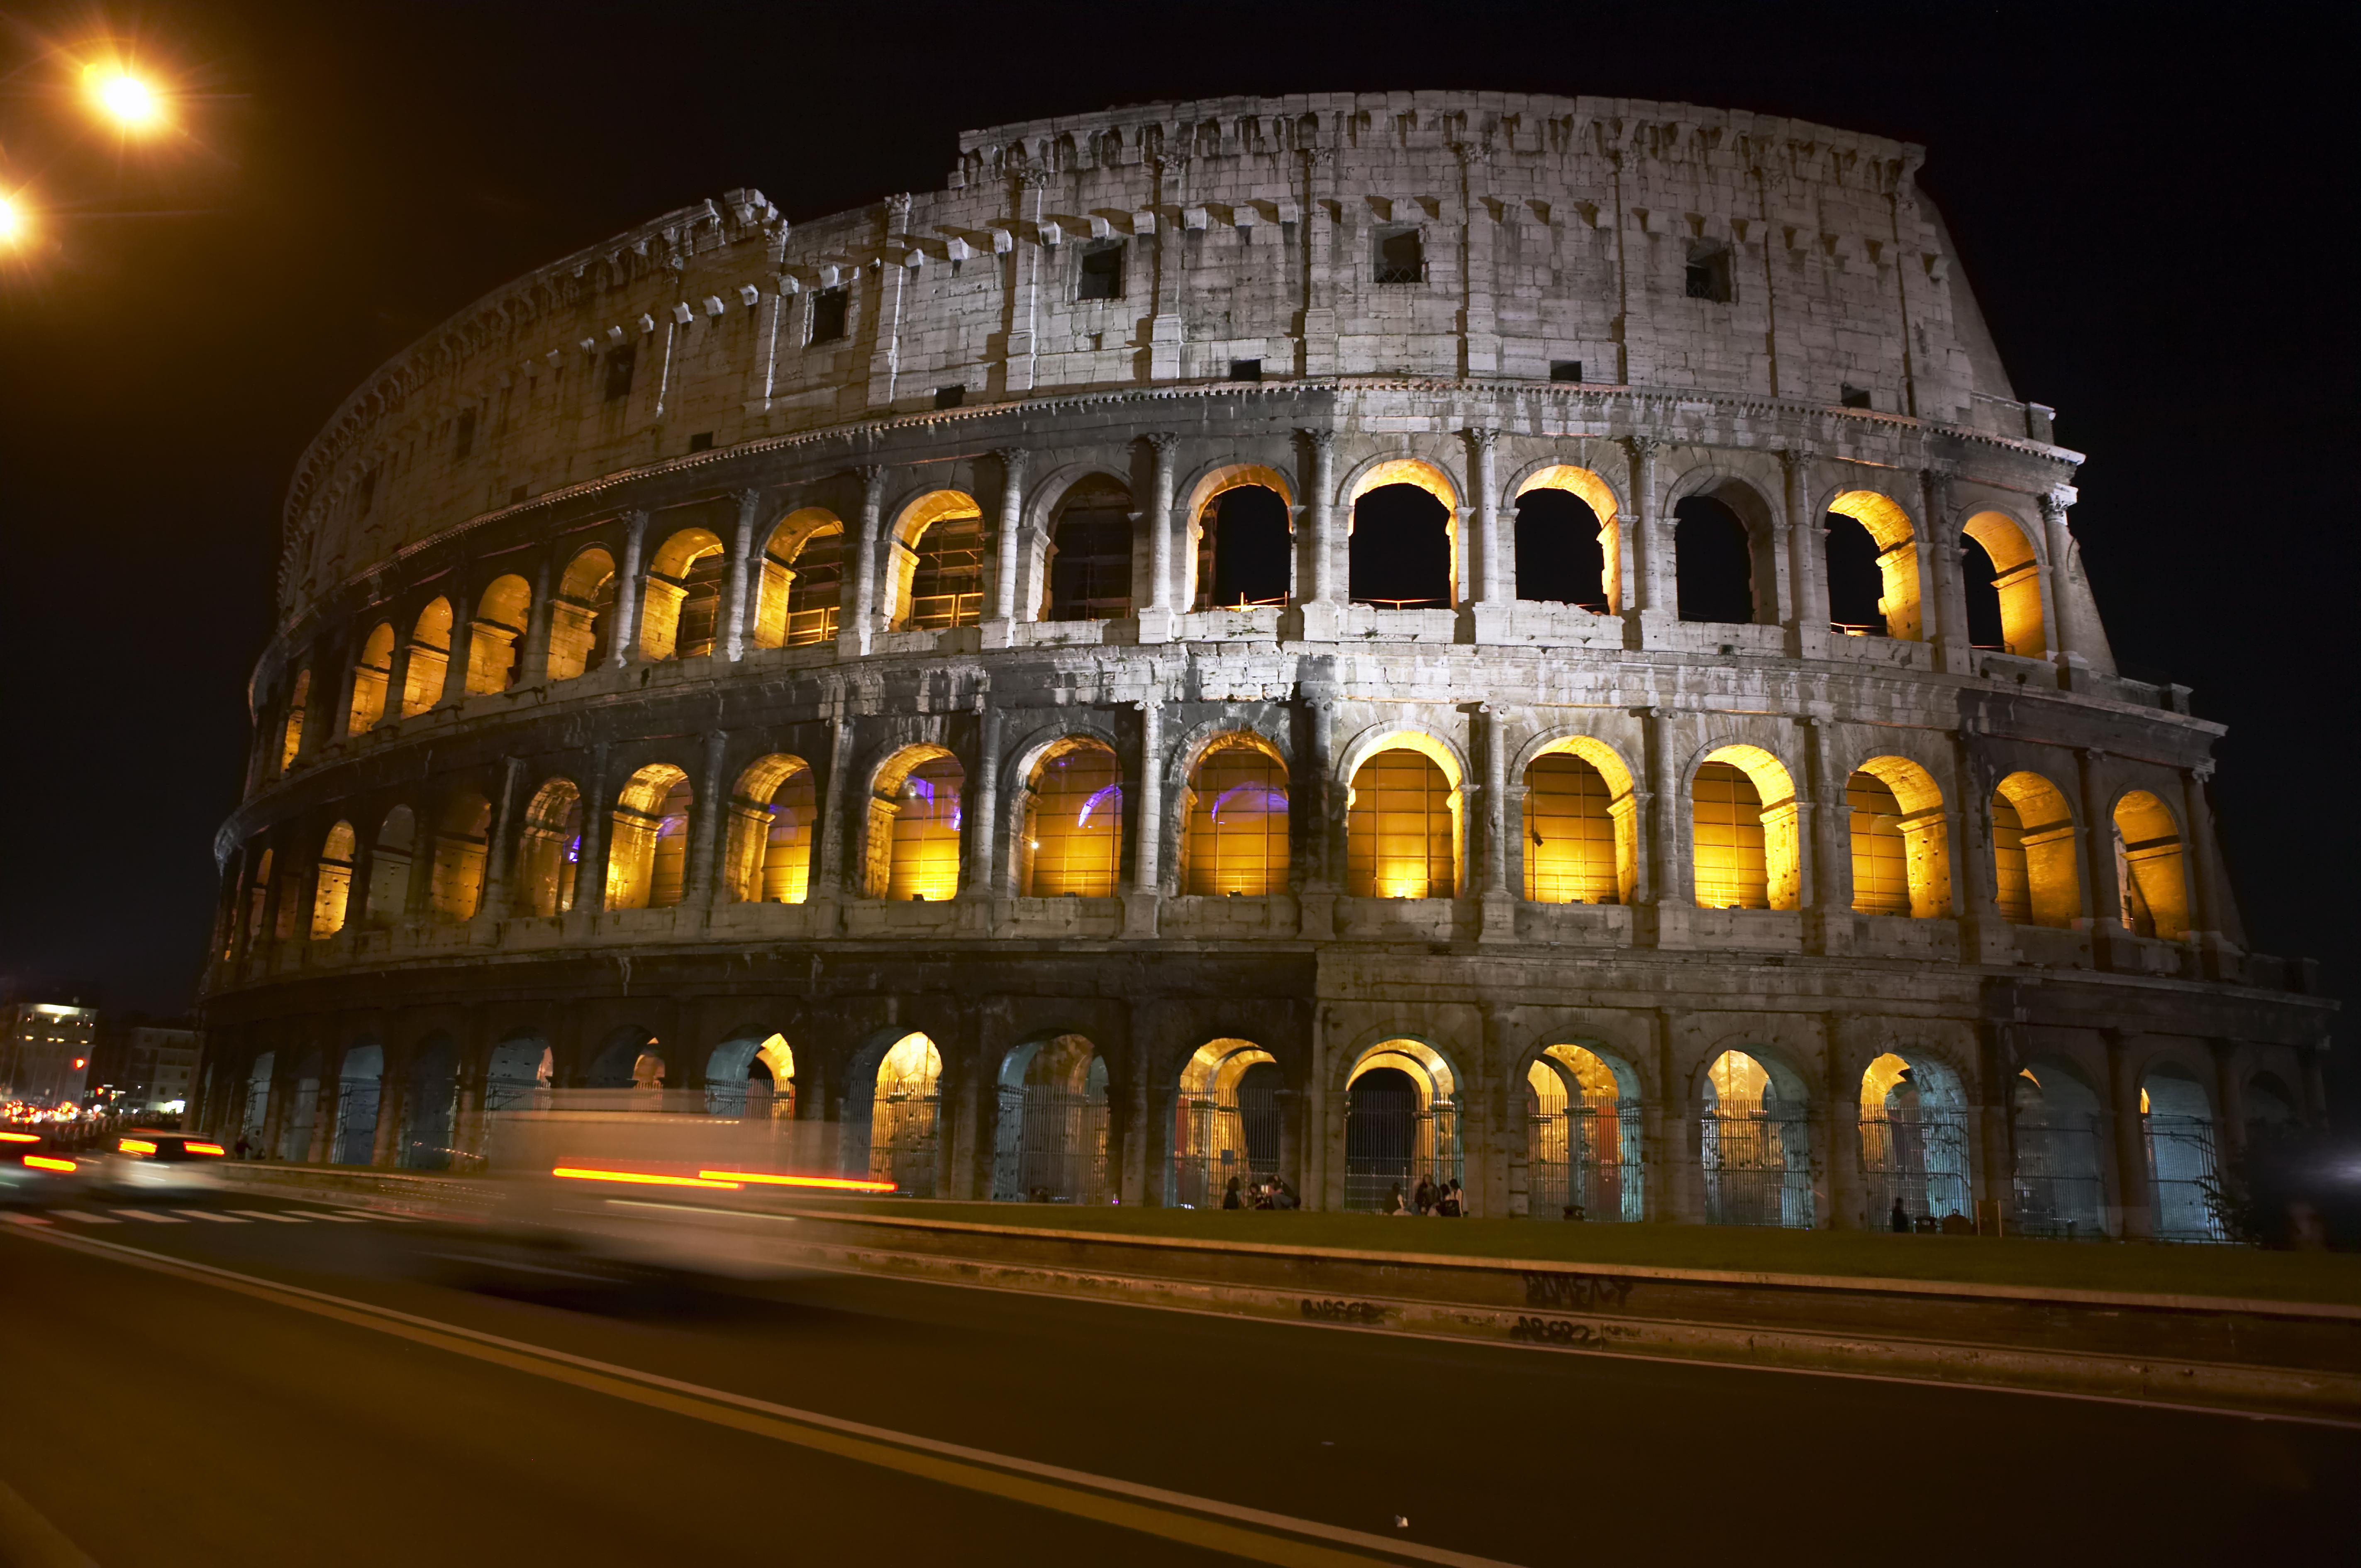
(1900, 1221)
(1229, 1198)
(1394, 1204)
(1286, 1198)
(1423, 1200)
(1446, 1203)
(241, 1145)
(1262, 1198)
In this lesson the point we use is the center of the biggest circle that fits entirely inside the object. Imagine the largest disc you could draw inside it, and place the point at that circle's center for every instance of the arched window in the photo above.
(1745, 847)
(1073, 822)
(1583, 1137)
(518, 1074)
(1914, 1141)
(1089, 553)
(772, 814)
(2178, 1120)
(1236, 812)
(1402, 1126)
(1220, 1128)
(370, 674)
(938, 563)
(359, 1082)
(429, 659)
(682, 608)
(2010, 596)
(1713, 561)
(1579, 838)
(647, 867)
(801, 601)
(1402, 555)
(332, 884)
(1872, 567)
(912, 845)
(902, 1116)
(389, 890)
(582, 615)
(2057, 1188)
(1402, 827)
(1901, 853)
(1566, 539)
(291, 730)
(549, 848)
(1245, 549)
(751, 1078)
(501, 610)
(1756, 1145)
(2149, 876)
(456, 886)
(1051, 1143)
(2033, 852)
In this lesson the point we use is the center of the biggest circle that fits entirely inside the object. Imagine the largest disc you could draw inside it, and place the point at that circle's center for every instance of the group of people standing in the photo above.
(1442, 1201)
(1264, 1192)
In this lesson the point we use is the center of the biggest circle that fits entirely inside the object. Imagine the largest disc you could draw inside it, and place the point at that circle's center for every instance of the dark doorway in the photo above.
(1976, 575)
(1244, 557)
(1401, 550)
(1713, 563)
(1559, 559)
(1090, 572)
(1258, 1088)
(1380, 1138)
(1856, 582)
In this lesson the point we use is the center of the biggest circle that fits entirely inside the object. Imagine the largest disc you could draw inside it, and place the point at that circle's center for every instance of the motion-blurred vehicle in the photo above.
(34, 1171)
(153, 1160)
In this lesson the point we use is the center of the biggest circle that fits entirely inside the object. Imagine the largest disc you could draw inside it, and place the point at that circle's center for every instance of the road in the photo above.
(170, 1415)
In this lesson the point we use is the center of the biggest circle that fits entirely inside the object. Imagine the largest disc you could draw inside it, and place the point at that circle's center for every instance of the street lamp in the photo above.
(122, 96)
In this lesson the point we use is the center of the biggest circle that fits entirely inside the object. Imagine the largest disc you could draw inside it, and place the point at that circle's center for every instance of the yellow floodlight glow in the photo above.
(640, 1178)
(12, 221)
(832, 1183)
(123, 97)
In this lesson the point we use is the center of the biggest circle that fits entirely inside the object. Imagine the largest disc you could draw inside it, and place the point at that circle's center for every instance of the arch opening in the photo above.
(1756, 1145)
(902, 1116)
(1049, 1142)
(2004, 592)
(1580, 832)
(455, 889)
(430, 1106)
(1235, 808)
(1246, 548)
(1089, 553)
(801, 599)
(680, 611)
(1583, 1136)
(371, 671)
(1745, 845)
(2151, 880)
(912, 848)
(648, 862)
(1401, 554)
(1401, 822)
(1872, 567)
(938, 563)
(254, 1116)
(751, 1078)
(582, 615)
(1074, 821)
(1913, 1142)
(1713, 563)
(1901, 837)
(518, 1075)
(429, 659)
(549, 848)
(497, 633)
(360, 1081)
(388, 888)
(1225, 1124)
(290, 729)
(1402, 1128)
(2033, 866)
(332, 882)
(2054, 1125)
(1562, 549)
(2184, 1173)
(773, 818)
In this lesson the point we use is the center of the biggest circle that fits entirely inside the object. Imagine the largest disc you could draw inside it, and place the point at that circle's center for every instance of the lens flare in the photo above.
(123, 97)
(12, 222)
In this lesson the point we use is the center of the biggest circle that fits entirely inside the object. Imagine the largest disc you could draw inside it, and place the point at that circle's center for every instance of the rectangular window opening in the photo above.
(1399, 256)
(701, 442)
(618, 371)
(1565, 369)
(1709, 272)
(828, 315)
(467, 435)
(1100, 270)
(1853, 397)
(950, 396)
(1245, 369)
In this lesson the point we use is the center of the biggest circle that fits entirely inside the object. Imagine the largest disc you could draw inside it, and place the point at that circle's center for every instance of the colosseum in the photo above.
(1341, 639)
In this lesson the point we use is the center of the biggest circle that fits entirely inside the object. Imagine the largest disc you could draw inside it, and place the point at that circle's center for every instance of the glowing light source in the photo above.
(639, 1178)
(204, 1148)
(12, 222)
(135, 1145)
(19, 1138)
(833, 1183)
(42, 1162)
(123, 97)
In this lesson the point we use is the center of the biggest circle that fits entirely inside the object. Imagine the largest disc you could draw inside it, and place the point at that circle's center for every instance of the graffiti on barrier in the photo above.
(1555, 1331)
(1576, 1292)
(1332, 1312)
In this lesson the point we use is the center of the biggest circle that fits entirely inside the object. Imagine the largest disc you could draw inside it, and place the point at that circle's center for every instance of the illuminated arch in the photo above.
(681, 608)
(936, 559)
(1744, 850)
(1210, 1141)
(1901, 840)
(1913, 1139)
(752, 1077)
(1756, 1144)
(389, 885)
(2151, 874)
(2184, 1173)
(1891, 529)
(430, 658)
(800, 600)
(1585, 1137)
(2055, 1120)
(1418, 475)
(1404, 810)
(1073, 820)
(1205, 538)
(647, 863)
(1235, 806)
(548, 848)
(2016, 579)
(911, 848)
(371, 671)
(1390, 1144)
(493, 637)
(1050, 1137)
(903, 1111)
(773, 813)
(290, 729)
(1581, 825)
(1600, 497)
(2033, 861)
(582, 614)
(332, 887)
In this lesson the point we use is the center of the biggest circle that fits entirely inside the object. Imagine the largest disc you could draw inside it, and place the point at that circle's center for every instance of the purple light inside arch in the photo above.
(1256, 796)
(1113, 790)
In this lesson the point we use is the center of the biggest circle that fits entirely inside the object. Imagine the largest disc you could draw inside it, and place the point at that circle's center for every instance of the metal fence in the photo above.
(1757, 1169)
(2186, 1176)
(1586, 1158)
(1917, 1158)
(902, 1143)
(1051, 1145)
(1389, 1142)
(2058, 1188)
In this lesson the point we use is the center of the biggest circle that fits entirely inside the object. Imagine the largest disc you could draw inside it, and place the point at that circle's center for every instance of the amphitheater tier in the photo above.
(1332, 638)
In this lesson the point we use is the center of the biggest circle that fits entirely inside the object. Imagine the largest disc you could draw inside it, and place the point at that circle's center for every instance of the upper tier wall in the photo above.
(1555, 233)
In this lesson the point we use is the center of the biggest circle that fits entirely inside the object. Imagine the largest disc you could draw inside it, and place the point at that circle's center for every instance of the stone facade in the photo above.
(570, 548)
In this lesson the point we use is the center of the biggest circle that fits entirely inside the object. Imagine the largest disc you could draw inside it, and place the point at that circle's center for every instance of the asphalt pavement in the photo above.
(254, 1382)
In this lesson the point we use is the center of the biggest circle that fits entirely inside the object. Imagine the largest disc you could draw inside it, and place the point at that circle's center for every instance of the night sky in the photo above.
(2151, 204)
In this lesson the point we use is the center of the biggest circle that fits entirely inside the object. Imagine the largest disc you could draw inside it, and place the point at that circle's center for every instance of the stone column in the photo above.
(1807, 554)
(854, 640)
(624, 645)
(2229, 1109)
(1159, 621)
(591, 865)
(501, 855)
(397, 680)
(2212, 909)
(1996, 1158)
(2103, 899)
(742, 578)
(1141, 904)
(1499, 922)
(711, 794)
(392, 1100)
(1656, 588)
(2064, 630)
(325, 1109)
(1953, 652)
(828, 874)
(2130, 1129)
(986, 831)
(535, 655)
(1663, 917)
(463, 650)
(1826, 835)
(1000, 632)
(1317, 882)
(1495, 562)
(1320, 613)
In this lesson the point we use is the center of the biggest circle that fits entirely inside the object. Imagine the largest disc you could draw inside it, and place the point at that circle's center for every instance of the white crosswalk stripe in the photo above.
(87, 1218)
(375, 1214)
(25, 1219)
(339, 1218)
(151, 1216)
(209, 1214)
(267, 1214)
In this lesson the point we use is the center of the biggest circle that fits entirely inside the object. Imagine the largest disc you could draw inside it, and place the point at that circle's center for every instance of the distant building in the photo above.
(154, 1066)
(45, 1052)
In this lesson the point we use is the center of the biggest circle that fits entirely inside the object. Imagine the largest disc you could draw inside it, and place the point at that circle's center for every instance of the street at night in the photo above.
(259, 1432)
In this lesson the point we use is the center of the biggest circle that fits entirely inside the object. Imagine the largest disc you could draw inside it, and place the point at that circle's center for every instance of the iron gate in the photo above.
(2058, 1188)
(902, 1143)
(1917, 1158)
(1586, 1156)
(1209, 1147)
(2186, 1177)
(1388, 1141)
(1757, 1171)
(355, 1121)
(1052, 1146)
